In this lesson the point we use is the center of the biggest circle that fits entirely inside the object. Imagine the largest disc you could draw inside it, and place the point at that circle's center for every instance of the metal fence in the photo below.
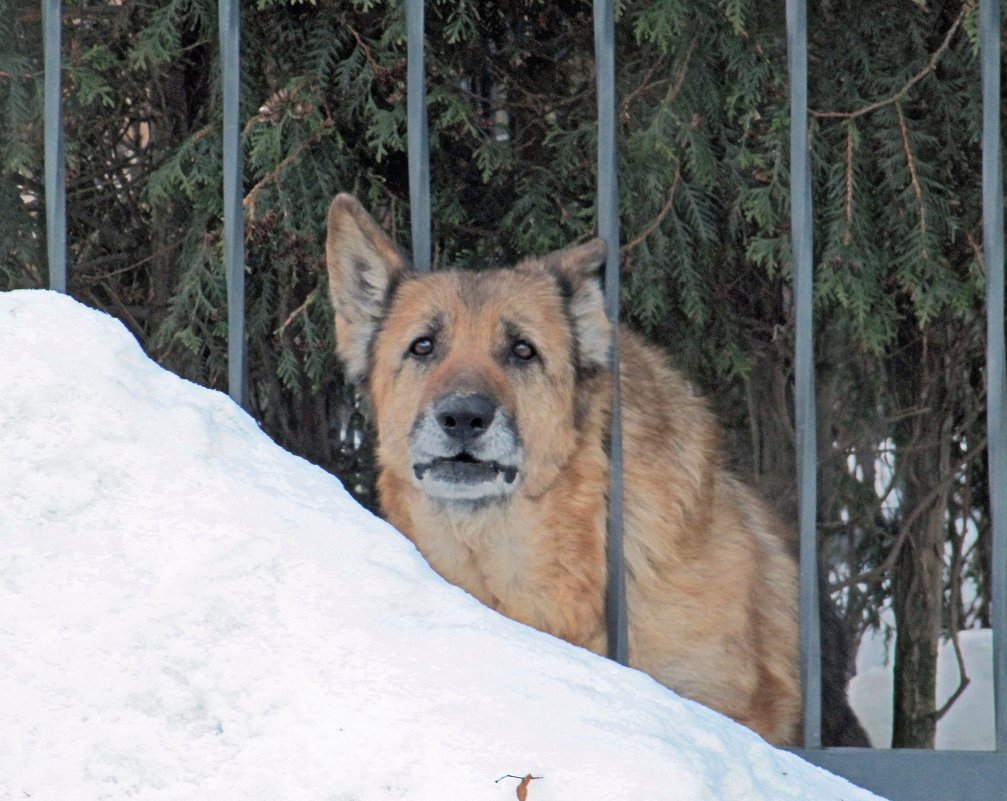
(902, 775)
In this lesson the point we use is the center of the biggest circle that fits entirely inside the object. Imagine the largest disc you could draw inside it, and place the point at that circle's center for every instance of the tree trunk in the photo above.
(918, 581)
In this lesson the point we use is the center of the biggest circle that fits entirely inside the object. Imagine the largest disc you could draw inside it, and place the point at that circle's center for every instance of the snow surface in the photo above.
(190, 612)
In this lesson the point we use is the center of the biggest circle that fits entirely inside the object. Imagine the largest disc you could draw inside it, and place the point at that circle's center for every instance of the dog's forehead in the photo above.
(486, 295)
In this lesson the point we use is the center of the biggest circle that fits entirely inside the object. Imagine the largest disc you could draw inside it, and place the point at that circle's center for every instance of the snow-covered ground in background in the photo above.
(967, 725)
(190, 612)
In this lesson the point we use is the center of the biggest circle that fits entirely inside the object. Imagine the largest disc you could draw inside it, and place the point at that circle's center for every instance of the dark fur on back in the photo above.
(840, 726)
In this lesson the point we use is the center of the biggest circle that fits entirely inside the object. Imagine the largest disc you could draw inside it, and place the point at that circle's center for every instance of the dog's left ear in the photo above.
(363, 264)
(578, 271)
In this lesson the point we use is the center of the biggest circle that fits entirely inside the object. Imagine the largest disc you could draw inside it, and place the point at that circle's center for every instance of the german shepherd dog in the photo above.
(491, 392)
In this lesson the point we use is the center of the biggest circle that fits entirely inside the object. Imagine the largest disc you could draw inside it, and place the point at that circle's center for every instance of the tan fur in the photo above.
(712, 584)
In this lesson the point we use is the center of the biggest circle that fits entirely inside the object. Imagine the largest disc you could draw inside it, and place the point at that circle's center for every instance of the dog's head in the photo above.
(478, 379)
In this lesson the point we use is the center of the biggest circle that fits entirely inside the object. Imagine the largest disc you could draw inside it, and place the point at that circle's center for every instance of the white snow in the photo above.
(190, 612)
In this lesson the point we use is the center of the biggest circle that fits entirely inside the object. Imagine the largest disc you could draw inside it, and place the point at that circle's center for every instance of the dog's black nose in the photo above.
(465, 417)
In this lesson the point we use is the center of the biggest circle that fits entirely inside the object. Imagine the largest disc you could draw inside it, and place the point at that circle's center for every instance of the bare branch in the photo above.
(885, 567)
(298, 311)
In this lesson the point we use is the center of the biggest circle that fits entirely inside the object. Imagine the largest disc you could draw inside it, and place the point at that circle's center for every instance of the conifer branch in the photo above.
(930, 66)
(249, 200)
(271, 107)
(977, 251)
(676, 87)
(656, 222)
(367, 51)
(676, 83)
(913, 175)
(644, 85)
(848, 233)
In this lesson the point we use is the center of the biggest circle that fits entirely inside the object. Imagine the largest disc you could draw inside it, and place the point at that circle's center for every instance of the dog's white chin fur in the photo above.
(464, 492)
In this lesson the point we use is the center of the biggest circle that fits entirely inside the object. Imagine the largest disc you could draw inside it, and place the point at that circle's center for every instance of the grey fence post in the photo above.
(234, 219)
(617, 616)
(55, 166)
(804, 368)
(996, 395)
(417, 136)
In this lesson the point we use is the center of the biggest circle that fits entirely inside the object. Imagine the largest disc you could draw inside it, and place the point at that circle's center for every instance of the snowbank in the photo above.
(189, 612)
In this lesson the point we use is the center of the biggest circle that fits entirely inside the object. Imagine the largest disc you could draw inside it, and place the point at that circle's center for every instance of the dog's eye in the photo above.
(423, 346)
(524, 350)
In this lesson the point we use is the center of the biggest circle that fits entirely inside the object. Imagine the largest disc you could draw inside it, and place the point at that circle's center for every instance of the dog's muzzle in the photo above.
(465, 448)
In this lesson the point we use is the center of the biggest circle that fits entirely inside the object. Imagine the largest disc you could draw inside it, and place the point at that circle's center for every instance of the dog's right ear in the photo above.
(578, 267)
(363, 264)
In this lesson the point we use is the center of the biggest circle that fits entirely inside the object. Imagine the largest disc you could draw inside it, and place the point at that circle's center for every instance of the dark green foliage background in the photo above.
(702, 120)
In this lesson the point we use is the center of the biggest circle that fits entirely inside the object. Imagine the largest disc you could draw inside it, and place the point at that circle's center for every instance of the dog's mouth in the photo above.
(464, 468)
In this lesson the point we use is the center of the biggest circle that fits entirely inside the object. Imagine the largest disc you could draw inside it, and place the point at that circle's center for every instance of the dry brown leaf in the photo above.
(522, 788)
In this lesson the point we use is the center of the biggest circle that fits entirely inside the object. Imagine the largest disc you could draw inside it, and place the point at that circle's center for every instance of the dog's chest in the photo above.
(491, 558)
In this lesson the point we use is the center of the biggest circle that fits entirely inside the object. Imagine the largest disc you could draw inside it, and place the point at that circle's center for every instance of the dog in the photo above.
(492, 393)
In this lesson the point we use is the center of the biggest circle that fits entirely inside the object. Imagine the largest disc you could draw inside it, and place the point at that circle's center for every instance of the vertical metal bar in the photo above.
(55, 167)
(608, 228)
(804, 367)
(996, 385)
(234, 220)
(417, 136)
